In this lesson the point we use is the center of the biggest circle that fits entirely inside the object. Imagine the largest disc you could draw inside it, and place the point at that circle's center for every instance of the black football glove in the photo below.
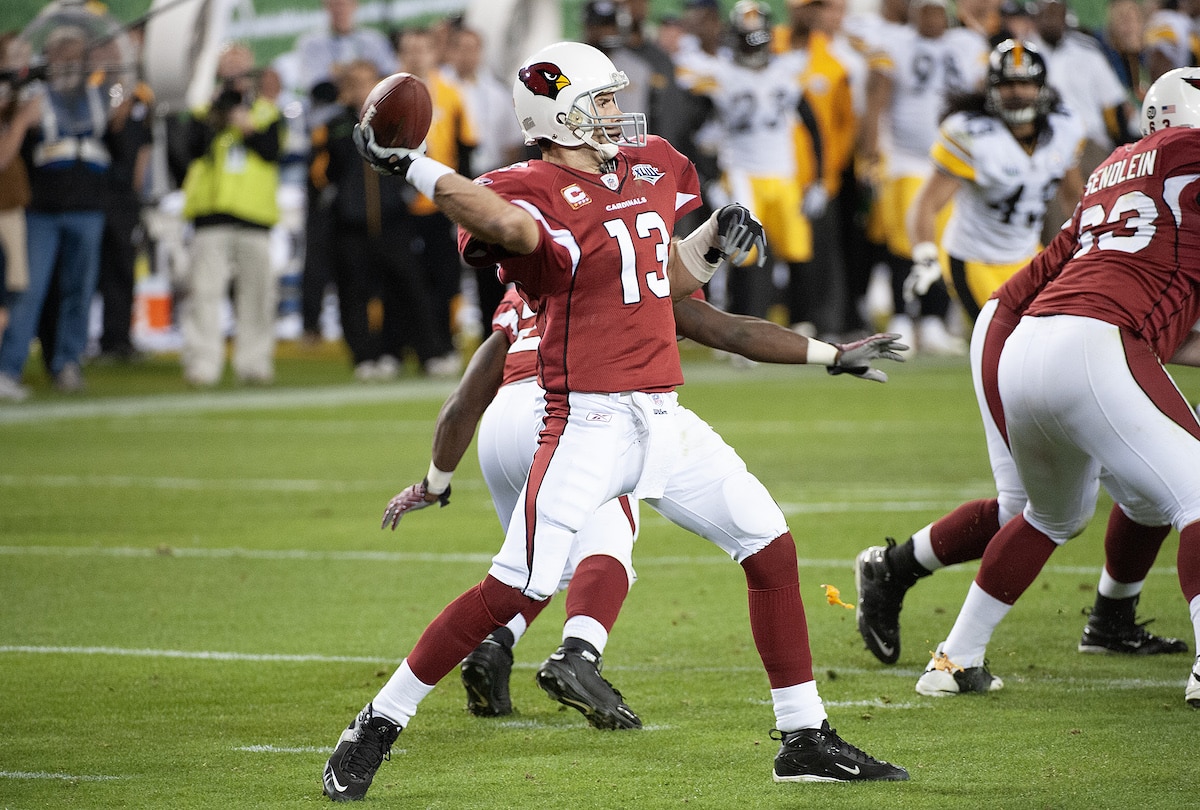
(738, 232)
(856, 357)
(385, 160)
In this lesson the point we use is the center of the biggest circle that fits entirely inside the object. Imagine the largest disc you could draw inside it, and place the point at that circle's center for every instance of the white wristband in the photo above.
(693, 247)
(437, 481)
(423, 174)
(821, 354)
(925, 253)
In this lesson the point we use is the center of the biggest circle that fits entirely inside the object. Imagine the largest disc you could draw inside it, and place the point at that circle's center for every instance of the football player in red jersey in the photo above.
(1081, 377)
(587, 232)
(499, 392)
(883, 574)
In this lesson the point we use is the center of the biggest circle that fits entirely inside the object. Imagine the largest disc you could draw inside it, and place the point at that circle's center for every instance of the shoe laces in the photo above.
(827, 735)
(595, 667)
(371, 750)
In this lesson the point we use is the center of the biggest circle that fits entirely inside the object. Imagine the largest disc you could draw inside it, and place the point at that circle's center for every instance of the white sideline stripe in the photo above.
(190, 484)
(278, 749)
(313, 485)
(197, 655)
(432, 557)
(215, 402)
(212, 655)
(66, 777)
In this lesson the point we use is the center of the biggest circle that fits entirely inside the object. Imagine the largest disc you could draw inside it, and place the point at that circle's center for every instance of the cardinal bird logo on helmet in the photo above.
(544, 79)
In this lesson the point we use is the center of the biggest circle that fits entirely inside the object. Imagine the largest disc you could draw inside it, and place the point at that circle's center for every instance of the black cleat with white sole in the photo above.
(362, 748)
(571, 675)
(820, 755)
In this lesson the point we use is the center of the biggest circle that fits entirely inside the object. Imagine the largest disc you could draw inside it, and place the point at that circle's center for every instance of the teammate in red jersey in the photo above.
(499, 392)
(586, 233)
(883, 574)
(1081, 377)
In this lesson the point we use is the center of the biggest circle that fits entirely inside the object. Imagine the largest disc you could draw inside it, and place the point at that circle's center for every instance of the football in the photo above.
(399, 111)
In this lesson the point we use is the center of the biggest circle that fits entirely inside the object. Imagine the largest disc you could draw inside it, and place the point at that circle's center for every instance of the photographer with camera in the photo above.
(68, 161)
(229, 194)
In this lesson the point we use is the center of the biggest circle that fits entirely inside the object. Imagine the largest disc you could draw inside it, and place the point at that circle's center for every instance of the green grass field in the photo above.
(196, 598)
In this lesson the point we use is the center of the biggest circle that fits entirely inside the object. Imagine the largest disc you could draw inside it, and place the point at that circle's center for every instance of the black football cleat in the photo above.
(880, 597)
(362, 748)
(485, 673)
(1112, 634)
(572, 677)
(820, 755)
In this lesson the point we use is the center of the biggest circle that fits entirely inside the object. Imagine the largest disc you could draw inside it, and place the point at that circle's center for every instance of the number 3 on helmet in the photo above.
(1172, 101)
(555, 100)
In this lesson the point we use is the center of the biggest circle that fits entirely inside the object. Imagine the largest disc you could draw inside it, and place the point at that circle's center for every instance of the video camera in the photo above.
(17, 78)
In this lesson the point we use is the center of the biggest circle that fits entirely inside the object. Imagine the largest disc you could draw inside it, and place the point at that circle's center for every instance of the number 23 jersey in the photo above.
(1136, 263)
(598, 277)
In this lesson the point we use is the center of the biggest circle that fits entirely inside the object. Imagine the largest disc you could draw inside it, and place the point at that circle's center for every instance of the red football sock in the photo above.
(1131, 548)
(962, 535)
(598, 589)
(777, 619)
(462, 625)
(1013, 560)
(1188, 561)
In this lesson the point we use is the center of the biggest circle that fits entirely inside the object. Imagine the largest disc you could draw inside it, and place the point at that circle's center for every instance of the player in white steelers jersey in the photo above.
(587, 232)
(499, 390)
(1170, 39)
(913, 74)
(757, 99)
(1000, 155)
(1081, 378)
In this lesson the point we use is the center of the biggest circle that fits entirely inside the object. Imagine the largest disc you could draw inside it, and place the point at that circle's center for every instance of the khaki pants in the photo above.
(222, 254)
(13, 243)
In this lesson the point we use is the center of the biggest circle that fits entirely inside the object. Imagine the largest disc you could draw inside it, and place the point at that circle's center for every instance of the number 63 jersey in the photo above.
(1136, 263)
(1000, 207)
(598, 277)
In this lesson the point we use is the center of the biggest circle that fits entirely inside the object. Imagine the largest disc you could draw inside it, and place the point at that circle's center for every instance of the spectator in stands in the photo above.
(451, 141)
(129, 143)
(229, 195)
(67, 161)
(369, 218)
(1169, 41)
(1121, 41)
(489, 103)
(317, 56)
(18, 114)
(1079, 71)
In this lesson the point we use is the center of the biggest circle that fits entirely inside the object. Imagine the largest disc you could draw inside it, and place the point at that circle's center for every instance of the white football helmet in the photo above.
(555, 98)
(1172, 101)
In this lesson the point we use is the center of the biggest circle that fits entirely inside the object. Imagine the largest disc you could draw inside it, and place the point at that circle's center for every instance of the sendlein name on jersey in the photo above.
(624, 204)
(1131, 168)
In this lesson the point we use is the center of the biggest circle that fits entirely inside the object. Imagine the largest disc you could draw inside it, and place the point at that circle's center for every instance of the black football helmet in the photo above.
(750, 28)
(1016, 61)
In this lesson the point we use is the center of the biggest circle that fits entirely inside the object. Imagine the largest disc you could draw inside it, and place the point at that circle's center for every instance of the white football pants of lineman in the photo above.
(1073, 405)
(640, 444)
(1009, 489)
(507, 439)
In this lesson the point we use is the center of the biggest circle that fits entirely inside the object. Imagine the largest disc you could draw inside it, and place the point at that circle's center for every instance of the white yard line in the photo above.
(215, 655)
(306, 555)
(219, 401)
(65, 777)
